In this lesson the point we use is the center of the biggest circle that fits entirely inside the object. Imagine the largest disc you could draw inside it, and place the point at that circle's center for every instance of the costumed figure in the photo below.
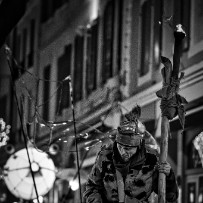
(127, 170)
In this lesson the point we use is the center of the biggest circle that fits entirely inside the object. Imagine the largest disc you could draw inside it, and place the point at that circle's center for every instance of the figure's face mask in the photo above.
(126, 152)
(130, 134)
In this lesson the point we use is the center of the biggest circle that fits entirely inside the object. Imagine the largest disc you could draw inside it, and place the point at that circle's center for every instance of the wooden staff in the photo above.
(167, 94)
(163, 158)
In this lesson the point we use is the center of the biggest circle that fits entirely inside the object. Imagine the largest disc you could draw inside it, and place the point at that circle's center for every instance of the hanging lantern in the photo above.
(18, 176)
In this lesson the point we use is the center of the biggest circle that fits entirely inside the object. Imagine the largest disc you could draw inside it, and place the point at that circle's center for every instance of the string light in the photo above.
(4, 131)
(74, 184)
(50, 127)
(40, 200)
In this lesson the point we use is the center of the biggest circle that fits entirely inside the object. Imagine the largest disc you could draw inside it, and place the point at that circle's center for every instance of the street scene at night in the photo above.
(101, 101)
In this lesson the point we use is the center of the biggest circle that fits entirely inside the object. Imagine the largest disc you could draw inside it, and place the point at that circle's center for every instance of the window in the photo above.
(196, 34)
(194, 160)
(47, 10)
(16, 54)
(120, 26)
(18, 48)
(91, 63)
(44, 11)
(3, 102)
(145, 37)
(182, 16)
(158, 12)
(191, 192)
(47, 75)
(108, 31)
(200, 191)
(185, 20)
(64, 69)
(57, 4)
(30, 113)
(32, 42)
(24, 49)
(19, 139)
(78, 68)
(14, 42)
(194, 188)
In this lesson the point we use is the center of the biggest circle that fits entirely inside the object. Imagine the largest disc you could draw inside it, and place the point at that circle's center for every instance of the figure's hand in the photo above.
(164, 168)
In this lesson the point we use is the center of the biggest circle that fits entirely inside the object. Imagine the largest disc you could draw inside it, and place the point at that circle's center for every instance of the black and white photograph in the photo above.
(101, 101)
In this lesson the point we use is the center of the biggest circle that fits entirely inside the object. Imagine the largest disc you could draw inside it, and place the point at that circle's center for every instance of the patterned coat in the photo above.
(140, 177)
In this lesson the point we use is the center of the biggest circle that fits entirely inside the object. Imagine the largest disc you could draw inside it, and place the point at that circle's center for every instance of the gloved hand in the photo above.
(164, 168)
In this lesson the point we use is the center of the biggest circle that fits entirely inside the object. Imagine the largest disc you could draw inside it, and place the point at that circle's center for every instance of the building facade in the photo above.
(111, 50)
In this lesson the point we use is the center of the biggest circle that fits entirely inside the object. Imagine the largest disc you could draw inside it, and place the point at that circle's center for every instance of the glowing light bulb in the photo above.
(35, 167)
(40, 198)
(74, 185)
(94, 9)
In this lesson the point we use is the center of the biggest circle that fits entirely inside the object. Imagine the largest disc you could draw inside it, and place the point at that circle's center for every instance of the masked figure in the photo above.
(125, 171)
